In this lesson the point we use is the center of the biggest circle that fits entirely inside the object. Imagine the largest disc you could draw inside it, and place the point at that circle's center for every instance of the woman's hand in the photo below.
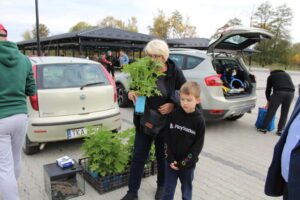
(166, 108)
(132, 96)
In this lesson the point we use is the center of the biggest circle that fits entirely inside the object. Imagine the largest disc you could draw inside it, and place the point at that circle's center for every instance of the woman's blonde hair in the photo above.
(157, 47)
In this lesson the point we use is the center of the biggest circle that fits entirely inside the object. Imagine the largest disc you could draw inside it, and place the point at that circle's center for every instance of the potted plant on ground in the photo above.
(143, 73)
(107, 157)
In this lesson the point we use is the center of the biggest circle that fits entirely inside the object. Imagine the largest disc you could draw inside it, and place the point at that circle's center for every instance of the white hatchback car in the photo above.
(228, 90)
(72, 94)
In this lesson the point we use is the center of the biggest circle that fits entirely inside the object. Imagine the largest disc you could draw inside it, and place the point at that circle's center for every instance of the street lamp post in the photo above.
(37, 28)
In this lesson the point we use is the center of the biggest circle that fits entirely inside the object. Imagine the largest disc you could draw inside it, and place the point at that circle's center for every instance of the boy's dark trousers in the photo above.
(280, 97)
(185, 176)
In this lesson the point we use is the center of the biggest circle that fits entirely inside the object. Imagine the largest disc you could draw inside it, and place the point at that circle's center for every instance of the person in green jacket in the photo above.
(16, 82)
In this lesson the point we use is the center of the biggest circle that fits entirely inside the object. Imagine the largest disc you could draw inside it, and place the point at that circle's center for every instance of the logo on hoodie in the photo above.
(182, 128)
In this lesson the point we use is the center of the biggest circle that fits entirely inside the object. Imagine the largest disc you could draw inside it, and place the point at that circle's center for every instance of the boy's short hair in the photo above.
(191, 88)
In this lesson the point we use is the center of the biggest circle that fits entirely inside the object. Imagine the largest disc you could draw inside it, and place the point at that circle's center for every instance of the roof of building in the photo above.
(99, 33)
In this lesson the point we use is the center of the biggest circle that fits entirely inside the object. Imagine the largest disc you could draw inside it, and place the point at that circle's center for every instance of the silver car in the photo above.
(72, 94)
(228, 90)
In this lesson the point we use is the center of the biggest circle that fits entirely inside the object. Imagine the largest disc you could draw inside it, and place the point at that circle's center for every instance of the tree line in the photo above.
(277, 20)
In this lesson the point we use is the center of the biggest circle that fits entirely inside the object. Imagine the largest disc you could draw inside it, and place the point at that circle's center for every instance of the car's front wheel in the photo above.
(29, 147)
(123, 100)
(233, 118)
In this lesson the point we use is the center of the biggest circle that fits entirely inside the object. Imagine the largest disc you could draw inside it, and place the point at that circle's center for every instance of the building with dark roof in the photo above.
(86, 42)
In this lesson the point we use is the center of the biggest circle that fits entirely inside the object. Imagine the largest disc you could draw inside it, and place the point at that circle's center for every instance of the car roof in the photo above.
(59, 59)
(191, 52)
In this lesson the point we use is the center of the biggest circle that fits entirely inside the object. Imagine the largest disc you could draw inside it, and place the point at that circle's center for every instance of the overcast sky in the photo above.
(59, 15)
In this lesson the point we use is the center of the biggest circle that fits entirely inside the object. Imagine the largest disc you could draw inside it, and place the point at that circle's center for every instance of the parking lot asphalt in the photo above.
(232, 165)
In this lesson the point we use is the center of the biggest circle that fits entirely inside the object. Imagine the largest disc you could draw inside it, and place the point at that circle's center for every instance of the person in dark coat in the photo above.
(164, 105)
(283, 176)
(283, 93)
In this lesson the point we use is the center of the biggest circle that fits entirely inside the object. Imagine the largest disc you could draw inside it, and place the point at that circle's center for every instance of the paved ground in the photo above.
(232, 165)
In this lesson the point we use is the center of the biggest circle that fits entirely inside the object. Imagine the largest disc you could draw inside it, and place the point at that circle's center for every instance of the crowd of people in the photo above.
(178, 143)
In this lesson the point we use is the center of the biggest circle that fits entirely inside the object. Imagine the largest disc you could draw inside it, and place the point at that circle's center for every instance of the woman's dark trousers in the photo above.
(142, 145)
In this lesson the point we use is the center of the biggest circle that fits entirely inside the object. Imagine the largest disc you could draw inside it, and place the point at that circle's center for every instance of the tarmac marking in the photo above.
(235, 166)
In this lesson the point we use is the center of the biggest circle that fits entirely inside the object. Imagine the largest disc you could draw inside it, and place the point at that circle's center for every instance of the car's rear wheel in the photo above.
(123, 100)
(233, 118)
(29, 147)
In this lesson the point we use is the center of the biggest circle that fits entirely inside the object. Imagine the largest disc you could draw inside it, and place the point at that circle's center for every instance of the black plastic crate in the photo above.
(112, 182)
(106, 183)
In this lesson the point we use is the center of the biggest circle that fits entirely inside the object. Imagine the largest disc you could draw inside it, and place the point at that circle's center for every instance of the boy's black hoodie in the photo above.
(185, 138)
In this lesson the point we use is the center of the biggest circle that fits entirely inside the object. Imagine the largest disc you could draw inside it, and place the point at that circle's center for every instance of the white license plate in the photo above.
(75, 133)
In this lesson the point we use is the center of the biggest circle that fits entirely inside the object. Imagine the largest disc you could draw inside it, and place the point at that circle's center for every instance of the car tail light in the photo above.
(111, 81)
(213, 80)
(216, 112)
(34, 99)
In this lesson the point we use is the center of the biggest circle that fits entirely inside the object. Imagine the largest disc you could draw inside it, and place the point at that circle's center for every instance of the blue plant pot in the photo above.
(140, 105)
(93, 174)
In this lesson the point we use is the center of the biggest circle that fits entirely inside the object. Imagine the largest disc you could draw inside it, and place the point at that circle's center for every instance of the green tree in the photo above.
(27, 35)
(160, 27)
(132, 25)
(294, 58)
(277, 21)
(43, 31)
(180, 29)
(232, 22)
(110, 21)
(263, 16)
(80, 26)
(172, 27)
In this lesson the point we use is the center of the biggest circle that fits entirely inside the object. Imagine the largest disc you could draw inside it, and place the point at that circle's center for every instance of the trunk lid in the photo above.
(237, 38)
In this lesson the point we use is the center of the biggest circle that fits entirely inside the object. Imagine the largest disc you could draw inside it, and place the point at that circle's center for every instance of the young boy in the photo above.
(183, 142)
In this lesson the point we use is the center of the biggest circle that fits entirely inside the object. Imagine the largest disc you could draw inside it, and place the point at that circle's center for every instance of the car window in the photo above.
(236, 39)
(69, 75)
(178, 60)
(192, 62)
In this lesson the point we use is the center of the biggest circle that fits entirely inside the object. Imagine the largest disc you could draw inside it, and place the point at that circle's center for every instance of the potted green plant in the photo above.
(107, 151)
(108, 156)
(144, 73)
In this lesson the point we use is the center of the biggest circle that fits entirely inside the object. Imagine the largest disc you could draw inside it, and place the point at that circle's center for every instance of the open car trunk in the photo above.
(237, 81)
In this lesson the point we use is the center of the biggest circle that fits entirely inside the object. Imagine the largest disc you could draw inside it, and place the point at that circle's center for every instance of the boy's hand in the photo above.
(166, 108)
(173, 165)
